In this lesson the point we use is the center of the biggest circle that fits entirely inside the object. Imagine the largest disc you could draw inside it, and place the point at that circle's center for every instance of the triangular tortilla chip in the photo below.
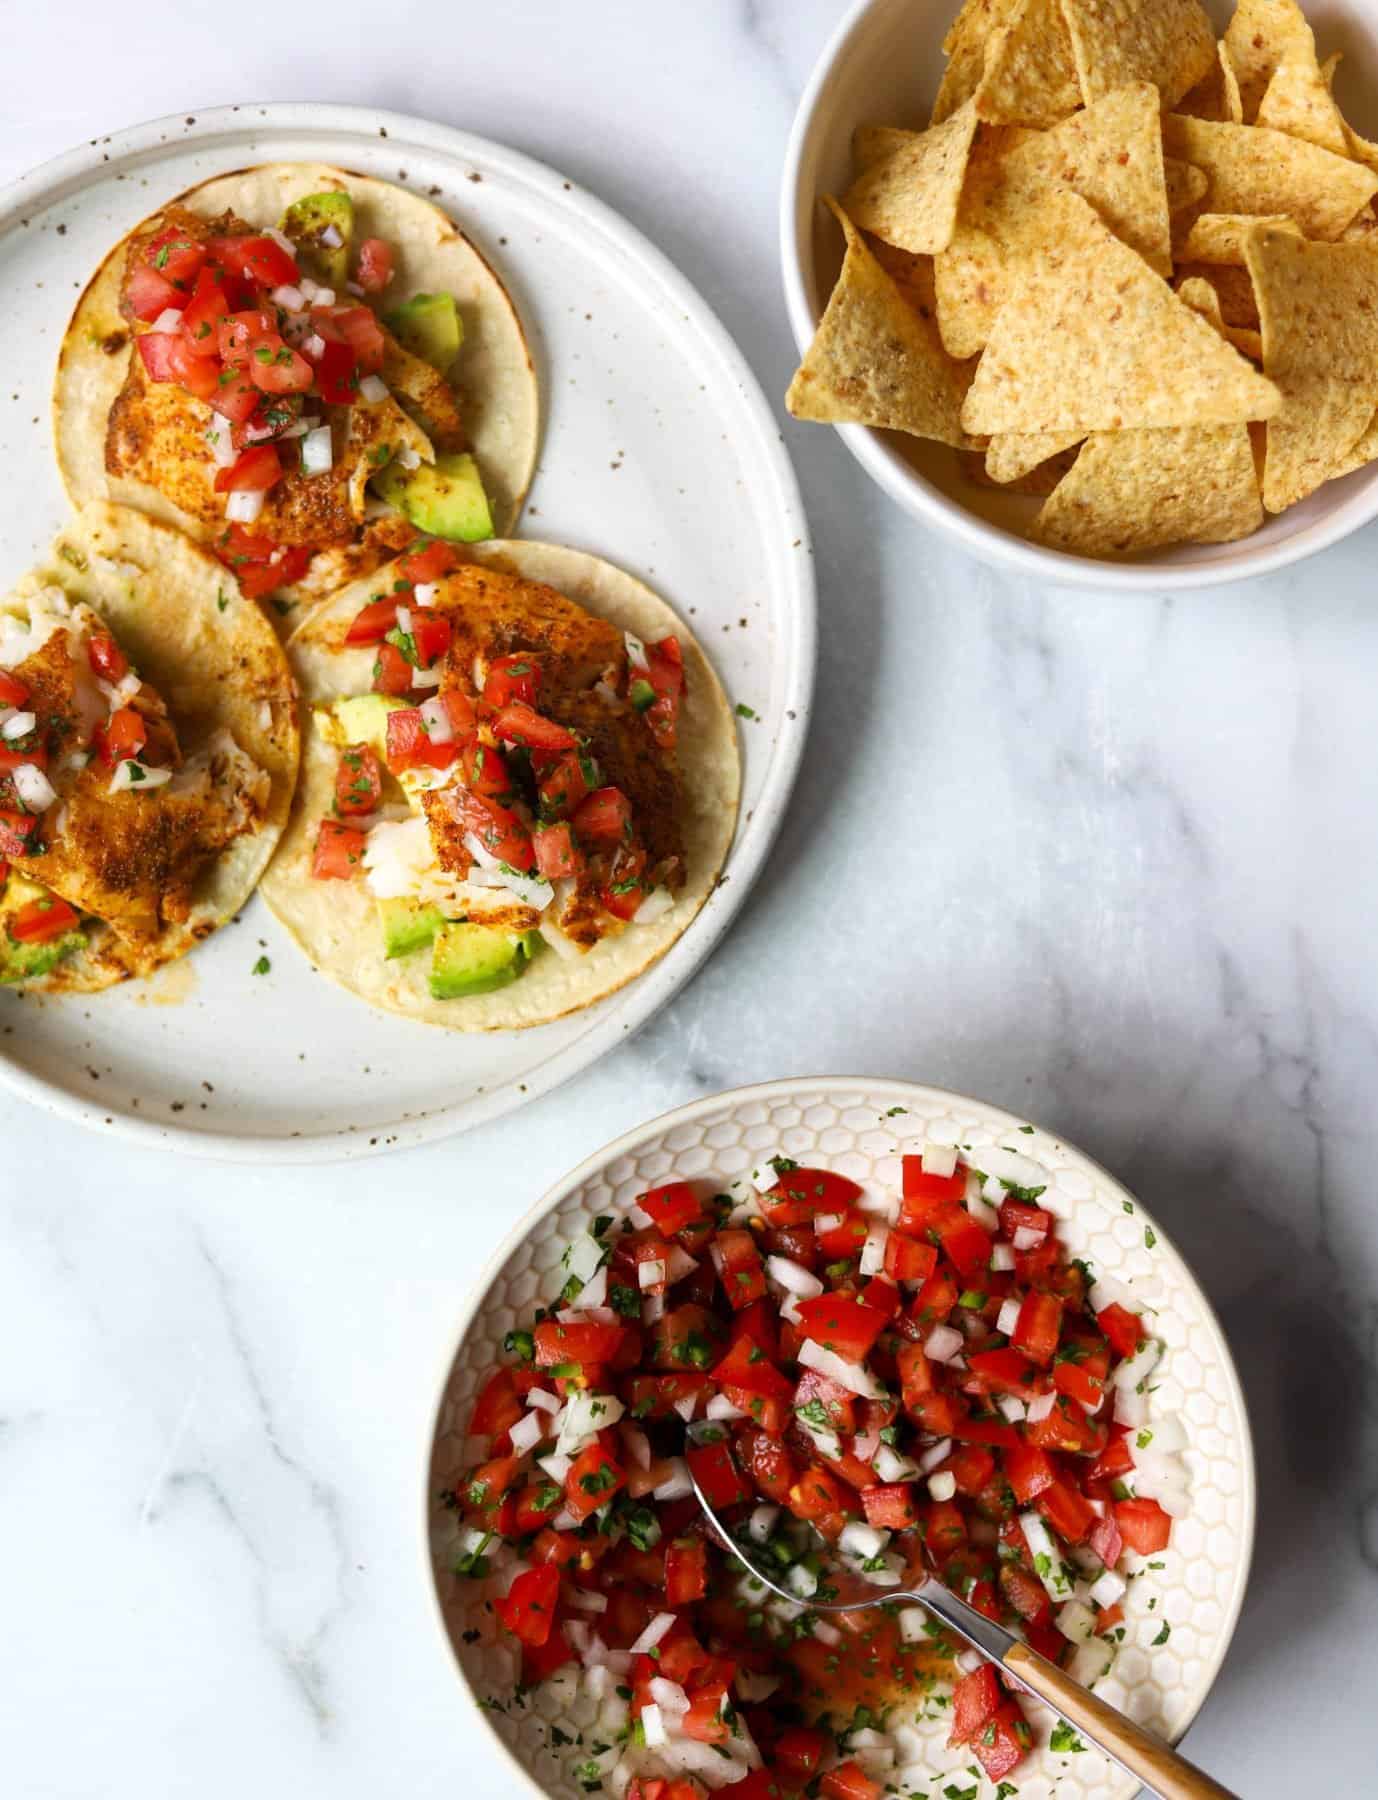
(1014, 454)
(1167, 42)
(1234, 289)
(1201, 297)
(1298, 102)
(1220, 237)
(1365, 451)
(1252, 170)
(874, 360)
(1131, 491)
(1109, 153)
(1185, 184)
(871, 144)
(1216, 95)
(909, 197)
(1319, 307)
(1259, 36)
(1038, 481)
(1030, 77)
(965, 46)
(1092, 339)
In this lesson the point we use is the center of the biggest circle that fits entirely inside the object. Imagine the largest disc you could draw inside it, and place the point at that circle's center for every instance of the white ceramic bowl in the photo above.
(860, 1126)
(883, 66)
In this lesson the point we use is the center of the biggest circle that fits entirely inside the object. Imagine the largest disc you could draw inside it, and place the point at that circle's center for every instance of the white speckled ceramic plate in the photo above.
(659, 453)
(860, 1127)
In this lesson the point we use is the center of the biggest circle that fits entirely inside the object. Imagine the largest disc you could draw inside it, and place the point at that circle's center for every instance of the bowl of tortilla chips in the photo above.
(1093, 284)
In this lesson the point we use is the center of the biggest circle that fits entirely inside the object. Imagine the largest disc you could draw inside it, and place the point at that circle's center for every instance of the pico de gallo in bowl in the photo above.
(923, 1380)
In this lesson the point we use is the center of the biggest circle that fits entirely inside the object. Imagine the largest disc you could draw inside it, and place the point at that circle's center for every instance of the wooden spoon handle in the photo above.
(1155, 1763)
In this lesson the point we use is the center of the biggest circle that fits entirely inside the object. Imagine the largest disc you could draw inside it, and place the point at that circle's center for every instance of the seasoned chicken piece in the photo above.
(494, 614)
(425, 394)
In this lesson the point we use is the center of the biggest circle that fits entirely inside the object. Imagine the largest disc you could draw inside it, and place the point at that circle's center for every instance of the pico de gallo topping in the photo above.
(909, 1383)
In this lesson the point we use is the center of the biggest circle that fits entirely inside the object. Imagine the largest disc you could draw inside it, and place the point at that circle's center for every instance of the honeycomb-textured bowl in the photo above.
(860, 1127)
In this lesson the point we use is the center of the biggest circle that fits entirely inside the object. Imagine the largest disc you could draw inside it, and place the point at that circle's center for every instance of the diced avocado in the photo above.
(363, 719)
(407, 925)
(475, 959)
(444, 498)
(24, 962)
(307, 221)
(430, 327)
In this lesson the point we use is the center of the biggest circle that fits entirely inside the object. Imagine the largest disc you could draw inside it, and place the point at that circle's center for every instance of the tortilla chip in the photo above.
(1216, 95)
(1234, 289)
(873, 143)
(1185, 184)
(1252, 170)
(1014, 454)
(1201, 297)
(1219, 237)
(1109, 153)
(874, 360)
(1360, 226)
(1092, 339)
(909, 197)
(1258, 38)
(1167, 42)
(1298, 102)
(1365, 451)
(1030, 77)
(1319, 306)
(1038, 481)
(1131, 491)
(965, 47)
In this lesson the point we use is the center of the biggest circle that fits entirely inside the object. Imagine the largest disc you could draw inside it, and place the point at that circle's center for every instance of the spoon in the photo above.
(1140, 1753)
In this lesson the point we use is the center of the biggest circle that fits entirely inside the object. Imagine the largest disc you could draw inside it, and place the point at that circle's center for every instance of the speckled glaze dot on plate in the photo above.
(853, 1125)
(652, 425)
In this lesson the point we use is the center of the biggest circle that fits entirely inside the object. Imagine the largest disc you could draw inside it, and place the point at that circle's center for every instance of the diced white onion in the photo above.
(426, 678)
(586, 1600)
(1013, 1166)
(852, 1376)
(935, 1454)
(676, 1485)
(373, 389)
(669, 1696)
(764, 1178)
(592, 1297)
(1139, 1366)
(891, 1466)
(555, 1465)
(860, 1540)
(752, 1687)
(873, 1250)
(825, 1222)
(18, 725)
(1001, 1259)
(636, 651)
(1011, 1407)
(313, 346)
(761, 1523)
(243, 506)
(1052, 1570)
(168, 321)
(984, 1213)
(912, 1622)
(826, 1633)
(425, 592)
(655, 906)
(638, 1445)
(34, 789)
(584, 1256)
(654, 1632)
(1131, 1408)
(527, 1432)
(221, 440)
(1040, 1406)
(686, 1406)
(1109, 1588)
(1008, 1317)
(721, 1409)
(289, 298)
(943, 1485)
(651, 1273)
(939, 1159)
(794, 1277)
(586, 1415)
(330, 237)
(678, 1264)
(653, 1725)
(317, 451)
(639, 1217)
(1027, 1239)
(542, 1401)
(1106, 1291)
(1090, 1661)
(1076, 1622)
(942, 1343)
(801, 1581)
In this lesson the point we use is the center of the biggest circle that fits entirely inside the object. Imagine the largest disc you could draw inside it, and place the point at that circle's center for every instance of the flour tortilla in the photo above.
(336, 922)
(182, 622)
(493, 373)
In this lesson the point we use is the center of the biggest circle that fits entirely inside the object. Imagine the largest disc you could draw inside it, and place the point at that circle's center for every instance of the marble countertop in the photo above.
(1110, 863)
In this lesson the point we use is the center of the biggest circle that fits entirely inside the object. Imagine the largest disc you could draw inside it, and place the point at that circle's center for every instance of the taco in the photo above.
(519, 784)
(148, 752)
(300, 367)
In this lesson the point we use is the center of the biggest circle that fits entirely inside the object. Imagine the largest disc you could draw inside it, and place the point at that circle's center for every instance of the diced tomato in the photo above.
(672, 1207)
(235, 397)
(1108, 1617)
(358, 781)
(881, 1294)
(372, 623)
(972, 1467)
(837, 1242)
(123, 735)
(798, 1751)
(147, 293)
(1062, 1506)
(1029, 1471)
(1125, 1329)
(485, 771)
(276, 368)
(818, 1493)
(1079, 1384)
(800, 1194)
(966, 1244)
(499, 830)
(767, 1462)
(14, 693)
(922, 1192)
(944, 1528)
(562, 787)
(841, 1325)
(1144, 1526)
(713, 1467)
(704, 1720)
(339, 854)
(581, 1341)
(605, 817)
(260, 260)
(1005, 1372)
(1018, 1215)
(236, 333)
(1116, 1460)
(358, 328)
(430, 634)
(410, 744)
(917, 1378)
(684, 1338)
(337, 374)
(624, 889)
(1025, 1593)
(488, 1483)
(975, 1701)
(654, 1396)
(373, 270)
(849, 1781)
(593, 1479)
(391, 671)
(428, 560)
(984, 1429)
(528, 1609)
(516, 676)
(258, 563)
(908, 1259)
(686, 1572)
(17, 830)
(665, 677)
(1067, 1428)
(747, 1367)
(1107, 1540)
(497, 1408)
(757, 1322)
(935, 1299)
(167, 357)
(1004, 1742)
(203, 312)
(891, 1508)
(739, 1267)
(541, 1661)
(40, 920)
(558, 857)
(1038, 1327)
(253, 471)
